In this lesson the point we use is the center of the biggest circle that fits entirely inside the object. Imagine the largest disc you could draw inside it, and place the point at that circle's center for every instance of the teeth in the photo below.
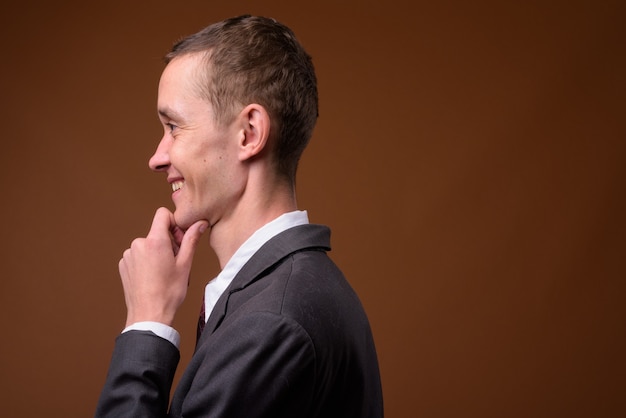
(177, 185)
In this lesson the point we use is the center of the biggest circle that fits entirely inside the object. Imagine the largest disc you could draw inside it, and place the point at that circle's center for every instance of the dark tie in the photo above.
(201, 321)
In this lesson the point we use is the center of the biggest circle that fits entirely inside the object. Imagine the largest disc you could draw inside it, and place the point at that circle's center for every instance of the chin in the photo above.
(185, 220)
(182, 221)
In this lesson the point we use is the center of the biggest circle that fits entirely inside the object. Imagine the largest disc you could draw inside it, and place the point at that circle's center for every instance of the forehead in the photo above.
(181, 73)
(178, 86)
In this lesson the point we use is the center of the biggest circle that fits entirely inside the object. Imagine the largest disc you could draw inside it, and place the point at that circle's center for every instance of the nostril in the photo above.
(158, 163)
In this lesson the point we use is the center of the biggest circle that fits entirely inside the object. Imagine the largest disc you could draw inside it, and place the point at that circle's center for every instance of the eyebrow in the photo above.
(169, 113)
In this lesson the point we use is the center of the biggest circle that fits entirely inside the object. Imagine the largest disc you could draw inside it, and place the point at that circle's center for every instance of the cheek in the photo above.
(186, 159)
(177, 155)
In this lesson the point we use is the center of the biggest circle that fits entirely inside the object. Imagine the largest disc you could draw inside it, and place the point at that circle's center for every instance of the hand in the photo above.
(155, 270)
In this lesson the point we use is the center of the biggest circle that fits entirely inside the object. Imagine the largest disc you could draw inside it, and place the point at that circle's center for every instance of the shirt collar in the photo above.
(216, 287)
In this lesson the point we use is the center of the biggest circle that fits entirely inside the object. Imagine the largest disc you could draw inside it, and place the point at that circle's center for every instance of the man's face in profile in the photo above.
(197, 154)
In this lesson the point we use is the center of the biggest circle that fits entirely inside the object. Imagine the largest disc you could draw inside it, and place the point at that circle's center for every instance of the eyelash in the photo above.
(171, 126)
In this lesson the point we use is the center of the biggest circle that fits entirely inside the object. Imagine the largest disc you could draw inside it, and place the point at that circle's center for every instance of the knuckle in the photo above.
(136, 243)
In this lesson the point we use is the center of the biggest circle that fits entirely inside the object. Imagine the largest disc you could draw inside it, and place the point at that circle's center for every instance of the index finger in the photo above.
(162, 223)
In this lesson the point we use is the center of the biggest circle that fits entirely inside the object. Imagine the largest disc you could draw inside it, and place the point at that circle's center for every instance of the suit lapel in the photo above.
(299, 238)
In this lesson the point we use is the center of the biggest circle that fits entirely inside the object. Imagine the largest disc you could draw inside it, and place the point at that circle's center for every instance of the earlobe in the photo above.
(256, 131)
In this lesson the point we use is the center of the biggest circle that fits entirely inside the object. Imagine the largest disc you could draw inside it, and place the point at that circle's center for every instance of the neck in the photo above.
(257, 207)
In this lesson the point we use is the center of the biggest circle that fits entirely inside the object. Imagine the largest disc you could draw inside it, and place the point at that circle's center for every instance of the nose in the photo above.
(160, 161)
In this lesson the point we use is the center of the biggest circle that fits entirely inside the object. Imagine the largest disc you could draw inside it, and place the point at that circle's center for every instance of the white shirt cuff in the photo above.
(162, 330)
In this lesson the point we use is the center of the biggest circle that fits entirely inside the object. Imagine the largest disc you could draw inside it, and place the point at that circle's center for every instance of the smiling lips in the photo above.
(177, 185)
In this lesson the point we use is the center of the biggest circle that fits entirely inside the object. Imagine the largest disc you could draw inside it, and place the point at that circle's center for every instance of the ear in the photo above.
(255, 122)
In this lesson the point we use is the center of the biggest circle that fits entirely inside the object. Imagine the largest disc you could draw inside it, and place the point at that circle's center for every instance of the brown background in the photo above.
(470, 158)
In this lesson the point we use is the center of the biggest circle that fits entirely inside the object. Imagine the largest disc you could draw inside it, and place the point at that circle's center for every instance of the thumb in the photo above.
(190, 242)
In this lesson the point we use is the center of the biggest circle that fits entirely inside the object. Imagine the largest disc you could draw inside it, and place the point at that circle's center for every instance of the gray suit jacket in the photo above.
(288, 338)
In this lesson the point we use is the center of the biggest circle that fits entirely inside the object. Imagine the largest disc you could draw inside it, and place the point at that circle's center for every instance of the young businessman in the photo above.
(284, 334)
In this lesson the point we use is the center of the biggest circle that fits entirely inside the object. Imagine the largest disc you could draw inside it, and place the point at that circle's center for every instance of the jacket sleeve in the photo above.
(258, 365)
(140, 376)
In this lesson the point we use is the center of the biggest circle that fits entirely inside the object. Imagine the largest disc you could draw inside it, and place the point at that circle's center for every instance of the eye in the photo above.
(171, 126)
